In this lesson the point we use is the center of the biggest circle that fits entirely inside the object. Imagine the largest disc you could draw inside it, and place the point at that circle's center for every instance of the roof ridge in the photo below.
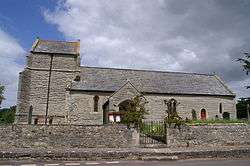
(145, 70)
(62, 41)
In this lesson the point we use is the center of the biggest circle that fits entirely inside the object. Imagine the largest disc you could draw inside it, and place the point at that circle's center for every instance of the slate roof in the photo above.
(57, 47)
(110, 80)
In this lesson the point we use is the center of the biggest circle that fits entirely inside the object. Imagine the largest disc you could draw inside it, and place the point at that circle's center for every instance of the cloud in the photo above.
(188, 35)
(10, 65)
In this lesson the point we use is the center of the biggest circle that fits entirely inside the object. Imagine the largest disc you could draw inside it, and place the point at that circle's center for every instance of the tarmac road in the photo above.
(196, 162)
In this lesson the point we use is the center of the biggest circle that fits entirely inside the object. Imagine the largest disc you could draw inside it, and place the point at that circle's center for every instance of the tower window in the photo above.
(96, 99)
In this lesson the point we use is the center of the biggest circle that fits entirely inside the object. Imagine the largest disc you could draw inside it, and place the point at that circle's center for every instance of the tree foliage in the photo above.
(245, 63)
(2, 88)
(7, 115)
(172, 115)
(134, 112)
(241, 107)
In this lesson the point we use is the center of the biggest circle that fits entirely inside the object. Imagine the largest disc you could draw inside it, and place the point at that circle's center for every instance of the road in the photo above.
(204, 162)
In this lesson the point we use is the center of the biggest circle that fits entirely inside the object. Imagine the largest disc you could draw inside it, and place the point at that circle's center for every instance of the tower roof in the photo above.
(56, 47)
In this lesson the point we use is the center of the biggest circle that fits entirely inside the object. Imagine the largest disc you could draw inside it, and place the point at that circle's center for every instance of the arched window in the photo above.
(96, 99)
(220, 108)
(203, 114)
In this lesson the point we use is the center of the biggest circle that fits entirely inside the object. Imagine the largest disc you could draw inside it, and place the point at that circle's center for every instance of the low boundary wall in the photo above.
(41, 136)
(117, 136)
(209, 135)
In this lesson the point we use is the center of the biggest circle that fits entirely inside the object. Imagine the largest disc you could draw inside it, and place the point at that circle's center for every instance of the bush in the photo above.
(134, 113)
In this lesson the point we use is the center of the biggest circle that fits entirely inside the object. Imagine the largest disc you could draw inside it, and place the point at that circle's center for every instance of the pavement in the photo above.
(147, 154)
(200, 162)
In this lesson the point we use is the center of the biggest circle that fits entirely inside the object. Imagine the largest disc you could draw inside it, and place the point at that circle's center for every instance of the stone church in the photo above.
(55, 89)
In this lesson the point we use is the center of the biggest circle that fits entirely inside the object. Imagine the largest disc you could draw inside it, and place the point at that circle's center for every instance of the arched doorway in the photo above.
(115, 116)
(203, 114)
(124, 105)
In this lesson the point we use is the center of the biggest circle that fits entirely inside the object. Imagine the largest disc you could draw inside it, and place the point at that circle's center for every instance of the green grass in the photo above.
(217, 121)
(152, 129)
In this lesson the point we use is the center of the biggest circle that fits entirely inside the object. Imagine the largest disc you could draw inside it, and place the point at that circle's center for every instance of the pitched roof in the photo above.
(146, 81)
(57, 47)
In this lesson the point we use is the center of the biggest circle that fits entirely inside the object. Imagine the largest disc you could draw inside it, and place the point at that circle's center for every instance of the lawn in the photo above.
(217, 121)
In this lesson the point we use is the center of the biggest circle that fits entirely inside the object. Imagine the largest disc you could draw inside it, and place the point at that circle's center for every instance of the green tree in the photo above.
(2, 88)
(241, 107)
(246, 63)
(7, 115)
(134, 112)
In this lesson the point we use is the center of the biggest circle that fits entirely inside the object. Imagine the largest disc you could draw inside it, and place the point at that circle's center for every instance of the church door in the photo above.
(203, 114)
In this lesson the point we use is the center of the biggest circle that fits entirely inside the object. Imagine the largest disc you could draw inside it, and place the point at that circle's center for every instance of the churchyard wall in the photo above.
(209, 135)
(117, 136)
(59, 136)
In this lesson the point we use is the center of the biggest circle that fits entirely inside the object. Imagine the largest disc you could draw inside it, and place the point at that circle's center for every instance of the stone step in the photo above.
(160, 145)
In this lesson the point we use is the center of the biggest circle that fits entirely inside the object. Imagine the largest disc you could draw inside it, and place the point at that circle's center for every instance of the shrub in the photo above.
(135, 112)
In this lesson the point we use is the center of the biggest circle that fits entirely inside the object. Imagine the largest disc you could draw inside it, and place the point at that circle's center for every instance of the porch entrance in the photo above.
(115, 116)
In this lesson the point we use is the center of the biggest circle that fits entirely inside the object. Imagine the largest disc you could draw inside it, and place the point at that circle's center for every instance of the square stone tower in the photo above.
(51, 67)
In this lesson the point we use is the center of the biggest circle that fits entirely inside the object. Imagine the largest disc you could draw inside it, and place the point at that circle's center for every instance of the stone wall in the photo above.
(34, 86)
(127, 91)
(41, 136)
(209, 135)
(23, 96)
(81, 107)
(211, 104)
(84, 105)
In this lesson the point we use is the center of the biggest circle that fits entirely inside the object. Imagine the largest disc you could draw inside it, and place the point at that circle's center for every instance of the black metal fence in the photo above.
(153, 132)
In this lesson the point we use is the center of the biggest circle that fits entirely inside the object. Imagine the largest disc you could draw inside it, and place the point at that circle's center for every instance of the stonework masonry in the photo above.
(126, 92)
(85, 108)
(49, 137)
(34, 85)
(117, 136)
(211, 104)
(209, 135)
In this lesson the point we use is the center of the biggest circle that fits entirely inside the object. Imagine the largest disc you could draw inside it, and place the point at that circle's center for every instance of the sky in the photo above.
(171, 35)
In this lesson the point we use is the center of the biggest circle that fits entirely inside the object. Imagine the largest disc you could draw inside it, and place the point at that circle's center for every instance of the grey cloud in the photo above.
(188, 35)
